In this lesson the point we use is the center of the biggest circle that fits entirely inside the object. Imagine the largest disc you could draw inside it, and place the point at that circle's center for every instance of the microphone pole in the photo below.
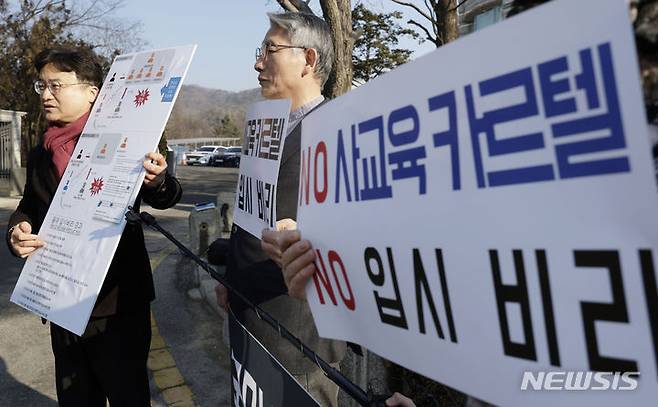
(357, 393)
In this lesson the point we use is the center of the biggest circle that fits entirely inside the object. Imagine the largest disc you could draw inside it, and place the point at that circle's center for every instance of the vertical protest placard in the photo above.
(492, 225)
(258, 379)
(265, 130)
(61, 281)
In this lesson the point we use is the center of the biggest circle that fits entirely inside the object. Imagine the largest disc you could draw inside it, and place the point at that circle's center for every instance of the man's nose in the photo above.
(46, 94)
(258, 66)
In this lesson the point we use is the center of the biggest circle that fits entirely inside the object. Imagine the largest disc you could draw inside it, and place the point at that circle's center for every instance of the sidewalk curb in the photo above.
(166, 375)
(206, 290)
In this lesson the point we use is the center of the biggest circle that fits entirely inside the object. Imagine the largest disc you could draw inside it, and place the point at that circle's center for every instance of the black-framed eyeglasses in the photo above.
(263, 50)
(54, 87)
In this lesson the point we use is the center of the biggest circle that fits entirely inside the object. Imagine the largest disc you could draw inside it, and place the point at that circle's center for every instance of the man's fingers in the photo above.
(300, 267)
(155, 164)
(154, 168)
(23, 242)
(269, 236)
(296, 250)
(297, 285)
(282, 239)
(30, 243)
(24, 251)
(25, 236)
(24, 227)
(287, 237)
(293, 266)
(157, 157)
(271, 251)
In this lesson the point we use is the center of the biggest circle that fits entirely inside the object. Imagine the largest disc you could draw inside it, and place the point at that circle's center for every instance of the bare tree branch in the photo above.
(415, 7)
(91, 7)
(429, 6)
(295, 6)
(96, 11)
(442, 16)
(427, 32)
(38, 8)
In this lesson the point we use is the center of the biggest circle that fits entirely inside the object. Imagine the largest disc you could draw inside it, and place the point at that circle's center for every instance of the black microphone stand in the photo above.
(357, 393)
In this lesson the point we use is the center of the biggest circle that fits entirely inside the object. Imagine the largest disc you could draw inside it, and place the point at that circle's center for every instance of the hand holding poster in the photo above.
(500, 217)
(85, 220)
(265, 131)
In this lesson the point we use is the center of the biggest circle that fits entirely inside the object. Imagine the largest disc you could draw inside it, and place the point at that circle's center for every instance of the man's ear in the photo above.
(312, 59)
(93, 93)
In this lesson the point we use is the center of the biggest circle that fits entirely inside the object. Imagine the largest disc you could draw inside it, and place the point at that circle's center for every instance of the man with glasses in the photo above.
(108, 362)
(54, 87)
(293, 62)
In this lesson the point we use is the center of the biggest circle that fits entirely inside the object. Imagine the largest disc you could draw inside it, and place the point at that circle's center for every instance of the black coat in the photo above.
(129, 282)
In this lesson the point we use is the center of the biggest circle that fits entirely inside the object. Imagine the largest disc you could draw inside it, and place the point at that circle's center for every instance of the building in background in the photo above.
(474, 15)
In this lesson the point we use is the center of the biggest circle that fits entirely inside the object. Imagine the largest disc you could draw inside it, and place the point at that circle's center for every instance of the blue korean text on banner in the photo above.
(526, 197)
(169, 90)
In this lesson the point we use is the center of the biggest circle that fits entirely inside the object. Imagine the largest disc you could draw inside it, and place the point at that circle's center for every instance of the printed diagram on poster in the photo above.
(150, 67)
(60, 282)
(86, 177)
(266, 126)
(137, 87)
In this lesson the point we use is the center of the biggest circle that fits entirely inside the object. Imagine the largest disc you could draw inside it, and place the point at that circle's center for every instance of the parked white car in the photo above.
(204, 155)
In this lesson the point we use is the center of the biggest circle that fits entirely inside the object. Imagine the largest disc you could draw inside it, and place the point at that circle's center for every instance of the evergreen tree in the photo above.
(375, 49)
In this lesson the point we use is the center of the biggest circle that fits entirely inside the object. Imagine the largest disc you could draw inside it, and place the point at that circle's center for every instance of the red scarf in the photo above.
(60, 141)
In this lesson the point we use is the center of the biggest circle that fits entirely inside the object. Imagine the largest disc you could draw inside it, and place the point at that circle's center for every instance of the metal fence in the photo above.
(10, 151)
(5, 150)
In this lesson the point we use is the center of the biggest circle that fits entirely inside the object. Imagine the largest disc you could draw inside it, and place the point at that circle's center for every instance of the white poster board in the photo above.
(266, 125)
(61, 281)
(490, 209)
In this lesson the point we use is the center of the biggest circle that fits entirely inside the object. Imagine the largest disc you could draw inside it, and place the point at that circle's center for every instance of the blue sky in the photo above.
(227, 32)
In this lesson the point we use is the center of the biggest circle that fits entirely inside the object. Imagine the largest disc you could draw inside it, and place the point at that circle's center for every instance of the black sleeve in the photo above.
(250, 271)
(259, 282)
(165, 195)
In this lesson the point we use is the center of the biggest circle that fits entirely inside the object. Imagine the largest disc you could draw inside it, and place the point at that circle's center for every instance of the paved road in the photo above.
(201, 184)
(190, 330)
(26, 362)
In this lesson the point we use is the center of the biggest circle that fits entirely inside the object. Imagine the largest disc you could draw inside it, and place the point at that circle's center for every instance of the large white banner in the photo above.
(61, 281)
(490, 209)
(266, 125)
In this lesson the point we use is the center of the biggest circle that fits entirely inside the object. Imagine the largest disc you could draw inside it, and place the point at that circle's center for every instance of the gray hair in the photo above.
(309, 31)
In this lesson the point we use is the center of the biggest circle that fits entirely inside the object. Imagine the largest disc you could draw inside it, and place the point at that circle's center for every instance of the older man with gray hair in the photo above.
(293, 62)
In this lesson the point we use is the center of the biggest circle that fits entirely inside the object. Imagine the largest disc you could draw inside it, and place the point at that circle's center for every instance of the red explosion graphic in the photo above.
(96, 186)
(141, 97)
